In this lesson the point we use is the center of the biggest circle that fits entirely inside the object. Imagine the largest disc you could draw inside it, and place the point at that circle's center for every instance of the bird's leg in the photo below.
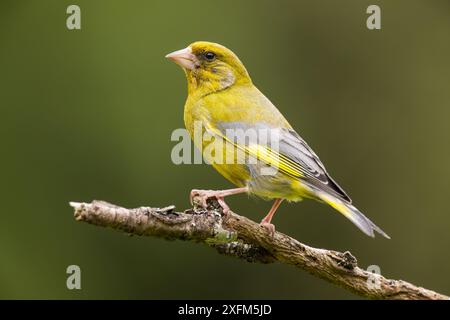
(266, 221)
(204, 195)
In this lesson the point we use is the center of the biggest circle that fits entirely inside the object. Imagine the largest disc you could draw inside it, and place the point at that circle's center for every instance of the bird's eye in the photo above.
(210, 56)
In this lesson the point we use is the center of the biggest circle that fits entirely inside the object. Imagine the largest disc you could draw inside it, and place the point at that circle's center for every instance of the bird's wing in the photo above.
(285, 150)
(296, 149)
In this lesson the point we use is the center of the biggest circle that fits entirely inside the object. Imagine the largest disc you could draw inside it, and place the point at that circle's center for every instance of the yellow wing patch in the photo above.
(267, 155)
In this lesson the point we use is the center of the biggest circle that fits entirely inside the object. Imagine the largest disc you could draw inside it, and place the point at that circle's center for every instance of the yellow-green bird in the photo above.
(223, 99)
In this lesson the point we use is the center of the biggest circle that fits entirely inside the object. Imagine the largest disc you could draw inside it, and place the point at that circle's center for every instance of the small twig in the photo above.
(240, 237)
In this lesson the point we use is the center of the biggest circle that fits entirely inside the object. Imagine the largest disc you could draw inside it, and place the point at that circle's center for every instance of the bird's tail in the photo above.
(353, 214)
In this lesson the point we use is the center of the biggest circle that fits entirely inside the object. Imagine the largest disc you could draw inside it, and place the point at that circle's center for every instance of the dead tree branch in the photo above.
(237, 236)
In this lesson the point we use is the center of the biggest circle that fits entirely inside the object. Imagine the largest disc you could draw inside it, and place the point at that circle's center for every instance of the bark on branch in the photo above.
(238, 236)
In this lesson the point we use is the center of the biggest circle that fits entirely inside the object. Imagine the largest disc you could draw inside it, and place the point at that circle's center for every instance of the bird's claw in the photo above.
(197, 193)
(222, 203)
(204, 195)
(269, 227)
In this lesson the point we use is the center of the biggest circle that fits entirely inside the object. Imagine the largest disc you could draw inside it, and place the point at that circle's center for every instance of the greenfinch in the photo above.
(222, 98)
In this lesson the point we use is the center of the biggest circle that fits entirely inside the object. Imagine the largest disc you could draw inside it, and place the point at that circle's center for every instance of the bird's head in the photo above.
(210, 67)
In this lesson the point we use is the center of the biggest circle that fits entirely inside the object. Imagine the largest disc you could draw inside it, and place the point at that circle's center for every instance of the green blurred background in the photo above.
(88, 114)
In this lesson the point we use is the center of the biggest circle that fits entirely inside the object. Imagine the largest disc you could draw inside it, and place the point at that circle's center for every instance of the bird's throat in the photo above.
(200, 86)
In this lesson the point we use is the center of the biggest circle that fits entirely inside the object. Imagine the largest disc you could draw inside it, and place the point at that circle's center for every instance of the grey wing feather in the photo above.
(294, 147)
(291, 145)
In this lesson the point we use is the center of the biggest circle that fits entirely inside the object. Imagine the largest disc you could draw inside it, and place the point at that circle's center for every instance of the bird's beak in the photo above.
(183, 58)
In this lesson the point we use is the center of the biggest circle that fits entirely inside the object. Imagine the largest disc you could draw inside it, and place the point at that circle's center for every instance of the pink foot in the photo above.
(204, 195)
(269, 227)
